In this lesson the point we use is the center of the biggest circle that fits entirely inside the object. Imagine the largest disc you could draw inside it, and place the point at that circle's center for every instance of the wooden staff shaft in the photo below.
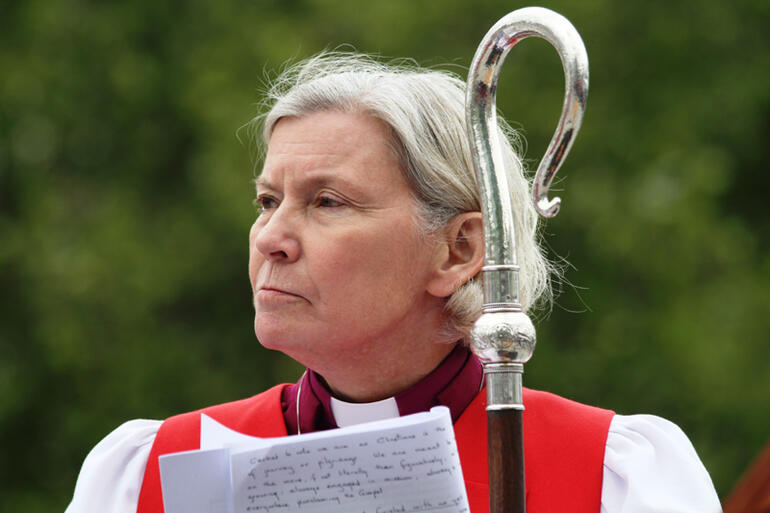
(506, 461)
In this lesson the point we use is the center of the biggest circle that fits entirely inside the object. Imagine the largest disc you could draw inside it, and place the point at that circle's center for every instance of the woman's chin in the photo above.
(277, 340)
(283, 338)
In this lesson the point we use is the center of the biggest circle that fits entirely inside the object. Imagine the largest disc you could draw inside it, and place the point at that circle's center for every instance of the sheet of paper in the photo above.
(196, 481)
(409, 464)
(403, 465)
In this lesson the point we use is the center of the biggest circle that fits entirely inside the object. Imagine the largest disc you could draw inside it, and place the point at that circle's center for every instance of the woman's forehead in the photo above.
(326, 147)
(334, 125)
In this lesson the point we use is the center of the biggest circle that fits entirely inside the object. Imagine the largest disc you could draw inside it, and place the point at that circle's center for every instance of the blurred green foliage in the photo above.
(125, 204)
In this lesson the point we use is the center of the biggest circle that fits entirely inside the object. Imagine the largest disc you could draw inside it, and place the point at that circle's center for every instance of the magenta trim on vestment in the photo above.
(454, 384)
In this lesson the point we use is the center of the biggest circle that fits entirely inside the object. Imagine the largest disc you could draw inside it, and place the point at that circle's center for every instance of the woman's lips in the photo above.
(269, 295)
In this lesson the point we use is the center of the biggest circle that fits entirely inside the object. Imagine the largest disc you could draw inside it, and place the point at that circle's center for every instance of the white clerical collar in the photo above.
(349, 414)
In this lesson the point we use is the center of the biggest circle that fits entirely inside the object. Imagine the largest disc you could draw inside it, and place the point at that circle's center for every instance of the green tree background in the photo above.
(125, 204)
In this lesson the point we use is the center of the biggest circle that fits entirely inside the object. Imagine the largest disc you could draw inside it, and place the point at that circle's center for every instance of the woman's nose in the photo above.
(276, 239)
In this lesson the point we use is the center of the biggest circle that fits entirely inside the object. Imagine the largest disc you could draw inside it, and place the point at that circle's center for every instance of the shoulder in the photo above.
(111, 473)
(651, 465)
(260, 415)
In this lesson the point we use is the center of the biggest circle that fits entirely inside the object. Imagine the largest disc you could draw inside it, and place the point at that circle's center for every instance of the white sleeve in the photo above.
(651, 466)
(112, 473)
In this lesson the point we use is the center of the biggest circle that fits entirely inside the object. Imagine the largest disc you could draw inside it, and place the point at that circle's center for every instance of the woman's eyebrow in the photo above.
(262, 183)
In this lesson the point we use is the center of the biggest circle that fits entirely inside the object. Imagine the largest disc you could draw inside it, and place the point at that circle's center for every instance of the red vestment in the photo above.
(564, 445)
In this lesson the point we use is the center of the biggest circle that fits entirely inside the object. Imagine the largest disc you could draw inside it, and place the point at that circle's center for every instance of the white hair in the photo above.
(425, 110)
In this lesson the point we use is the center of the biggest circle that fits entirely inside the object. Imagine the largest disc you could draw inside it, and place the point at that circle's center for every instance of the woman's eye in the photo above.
(265, 202)
(329, 202)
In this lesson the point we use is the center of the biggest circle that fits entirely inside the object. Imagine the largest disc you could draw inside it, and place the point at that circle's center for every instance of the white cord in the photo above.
(299, 391)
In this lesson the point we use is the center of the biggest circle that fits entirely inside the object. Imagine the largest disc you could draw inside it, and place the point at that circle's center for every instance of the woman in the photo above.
(362, 262)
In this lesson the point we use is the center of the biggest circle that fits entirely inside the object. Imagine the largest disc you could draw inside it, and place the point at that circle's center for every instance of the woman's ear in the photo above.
(460, 255)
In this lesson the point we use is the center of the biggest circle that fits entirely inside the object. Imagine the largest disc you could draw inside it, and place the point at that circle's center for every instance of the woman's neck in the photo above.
(367, 380)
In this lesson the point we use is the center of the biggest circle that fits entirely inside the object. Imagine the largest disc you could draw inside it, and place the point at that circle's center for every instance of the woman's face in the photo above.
(337, 262)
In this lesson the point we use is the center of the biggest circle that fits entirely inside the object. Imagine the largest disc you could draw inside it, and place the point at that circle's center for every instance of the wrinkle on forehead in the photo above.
(314, 180)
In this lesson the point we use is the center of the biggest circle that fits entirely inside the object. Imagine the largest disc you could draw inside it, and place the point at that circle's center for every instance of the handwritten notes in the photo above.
(404, 465)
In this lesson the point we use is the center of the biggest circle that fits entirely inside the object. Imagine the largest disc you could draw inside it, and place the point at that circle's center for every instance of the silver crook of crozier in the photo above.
(504, 337)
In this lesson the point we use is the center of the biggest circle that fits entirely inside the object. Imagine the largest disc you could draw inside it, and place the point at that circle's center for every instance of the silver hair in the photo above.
(425, 110)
